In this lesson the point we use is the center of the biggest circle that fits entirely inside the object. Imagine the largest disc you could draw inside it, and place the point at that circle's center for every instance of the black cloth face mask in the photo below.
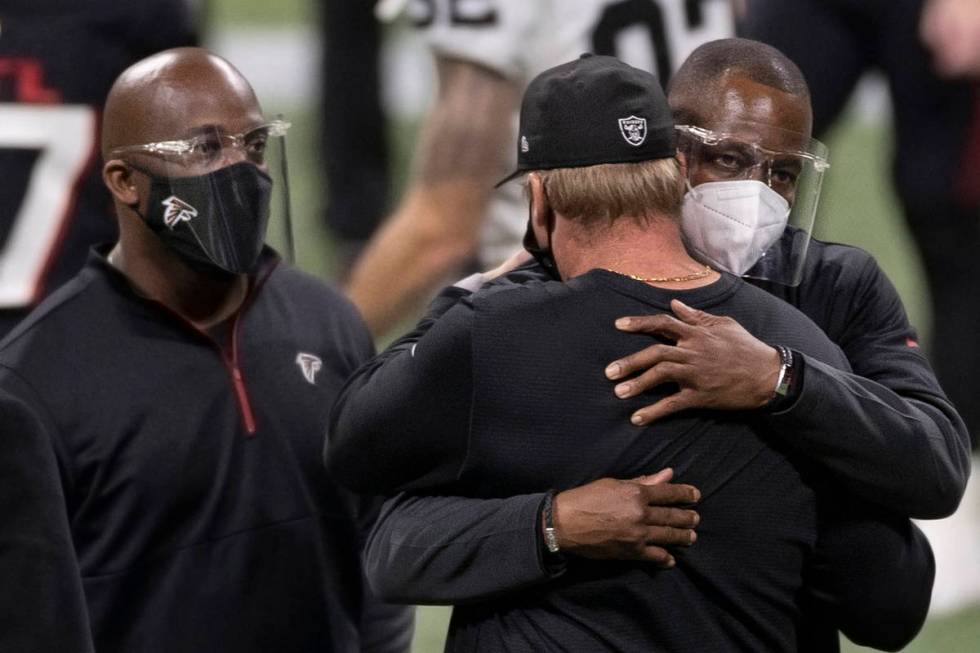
(215, 222)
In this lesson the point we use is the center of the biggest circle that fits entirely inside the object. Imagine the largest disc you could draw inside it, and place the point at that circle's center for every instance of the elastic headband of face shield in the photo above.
(790, 163)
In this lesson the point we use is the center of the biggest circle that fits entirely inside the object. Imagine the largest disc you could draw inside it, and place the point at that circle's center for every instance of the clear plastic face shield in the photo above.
(752, 198)
(214, 195)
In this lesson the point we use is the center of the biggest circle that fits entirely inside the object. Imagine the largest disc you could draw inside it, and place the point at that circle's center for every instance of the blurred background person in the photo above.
(57, 61)
(353, 130)
(951, 30)
(835, 42)
(935, 172)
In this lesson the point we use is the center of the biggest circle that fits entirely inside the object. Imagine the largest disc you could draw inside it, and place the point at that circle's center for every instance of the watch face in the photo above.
(785, 371)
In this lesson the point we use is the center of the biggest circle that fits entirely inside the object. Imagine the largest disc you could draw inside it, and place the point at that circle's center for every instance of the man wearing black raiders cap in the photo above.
(610, 116)
(440, 410)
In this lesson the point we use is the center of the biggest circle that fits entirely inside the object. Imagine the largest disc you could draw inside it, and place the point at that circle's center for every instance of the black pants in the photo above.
(354, 142)
(834, 42)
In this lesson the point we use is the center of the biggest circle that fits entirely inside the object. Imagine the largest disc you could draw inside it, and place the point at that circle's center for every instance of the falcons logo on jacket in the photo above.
(177, 210)
(309, 365)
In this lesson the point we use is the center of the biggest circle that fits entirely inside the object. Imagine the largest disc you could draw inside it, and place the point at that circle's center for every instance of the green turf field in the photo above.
(857, 208)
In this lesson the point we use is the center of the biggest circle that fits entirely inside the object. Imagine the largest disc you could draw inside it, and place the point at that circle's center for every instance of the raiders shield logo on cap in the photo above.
(633, 129)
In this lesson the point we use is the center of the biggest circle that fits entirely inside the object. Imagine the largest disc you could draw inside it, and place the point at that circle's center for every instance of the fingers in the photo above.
(680, 519)
(657, 555)
(642, 361)
(674, 403)
(681, 400)
(657, 538)
(686, 313)
(666, 536)
(670, 494)
(668, 325)
(665, 371)
(694, 316)
(663, 324)
(698, 318)
(640, 519)
(663, 476)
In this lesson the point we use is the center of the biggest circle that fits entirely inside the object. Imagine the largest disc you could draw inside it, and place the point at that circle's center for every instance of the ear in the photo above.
(118, 178)
(541, 213)
(682, 162)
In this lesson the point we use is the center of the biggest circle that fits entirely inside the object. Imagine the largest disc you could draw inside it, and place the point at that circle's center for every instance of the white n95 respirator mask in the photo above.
(729, 225)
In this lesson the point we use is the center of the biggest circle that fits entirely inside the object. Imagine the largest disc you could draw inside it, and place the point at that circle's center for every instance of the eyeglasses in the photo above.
(212, 146)
(723, 156)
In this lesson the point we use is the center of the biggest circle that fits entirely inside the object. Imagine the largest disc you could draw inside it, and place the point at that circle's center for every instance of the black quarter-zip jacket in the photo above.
(201, 517)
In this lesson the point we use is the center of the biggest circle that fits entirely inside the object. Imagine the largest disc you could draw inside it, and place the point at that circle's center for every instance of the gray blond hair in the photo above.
(599, 194)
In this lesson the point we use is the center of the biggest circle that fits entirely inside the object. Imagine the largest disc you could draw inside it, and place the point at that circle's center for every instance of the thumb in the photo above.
(663, 476)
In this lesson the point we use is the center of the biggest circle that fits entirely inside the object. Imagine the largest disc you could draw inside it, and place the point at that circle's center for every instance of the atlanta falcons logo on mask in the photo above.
(309, 365)
(177, 211)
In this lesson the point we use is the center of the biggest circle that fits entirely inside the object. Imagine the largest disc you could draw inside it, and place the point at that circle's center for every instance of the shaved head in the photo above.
(168, 95)
(707, 71)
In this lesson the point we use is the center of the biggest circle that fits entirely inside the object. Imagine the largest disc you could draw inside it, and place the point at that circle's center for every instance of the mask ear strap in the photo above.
(541, 254)
(690, 189)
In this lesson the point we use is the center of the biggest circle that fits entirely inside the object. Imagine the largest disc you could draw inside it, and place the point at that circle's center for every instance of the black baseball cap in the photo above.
(593, 110)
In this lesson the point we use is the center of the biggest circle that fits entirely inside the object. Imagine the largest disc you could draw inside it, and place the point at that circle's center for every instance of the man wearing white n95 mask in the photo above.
(730, 225)
(747, 182)
(741, 198)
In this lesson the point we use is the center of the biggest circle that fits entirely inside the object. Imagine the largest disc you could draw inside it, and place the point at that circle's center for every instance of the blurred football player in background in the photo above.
(835, 42)
(354, 143)
(951, 29)
(58, 59)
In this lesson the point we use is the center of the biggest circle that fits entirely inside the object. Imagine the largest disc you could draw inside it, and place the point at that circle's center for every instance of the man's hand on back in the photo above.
(627, 520)
(715, 361)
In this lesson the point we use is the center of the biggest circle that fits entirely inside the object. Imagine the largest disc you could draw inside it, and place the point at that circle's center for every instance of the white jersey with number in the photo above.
(521, 38)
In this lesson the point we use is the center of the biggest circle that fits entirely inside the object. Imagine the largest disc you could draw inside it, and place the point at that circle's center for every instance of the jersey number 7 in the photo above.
(64, 135)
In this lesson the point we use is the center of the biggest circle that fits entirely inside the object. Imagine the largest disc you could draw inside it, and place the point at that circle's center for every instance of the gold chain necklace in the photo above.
(700, 274)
